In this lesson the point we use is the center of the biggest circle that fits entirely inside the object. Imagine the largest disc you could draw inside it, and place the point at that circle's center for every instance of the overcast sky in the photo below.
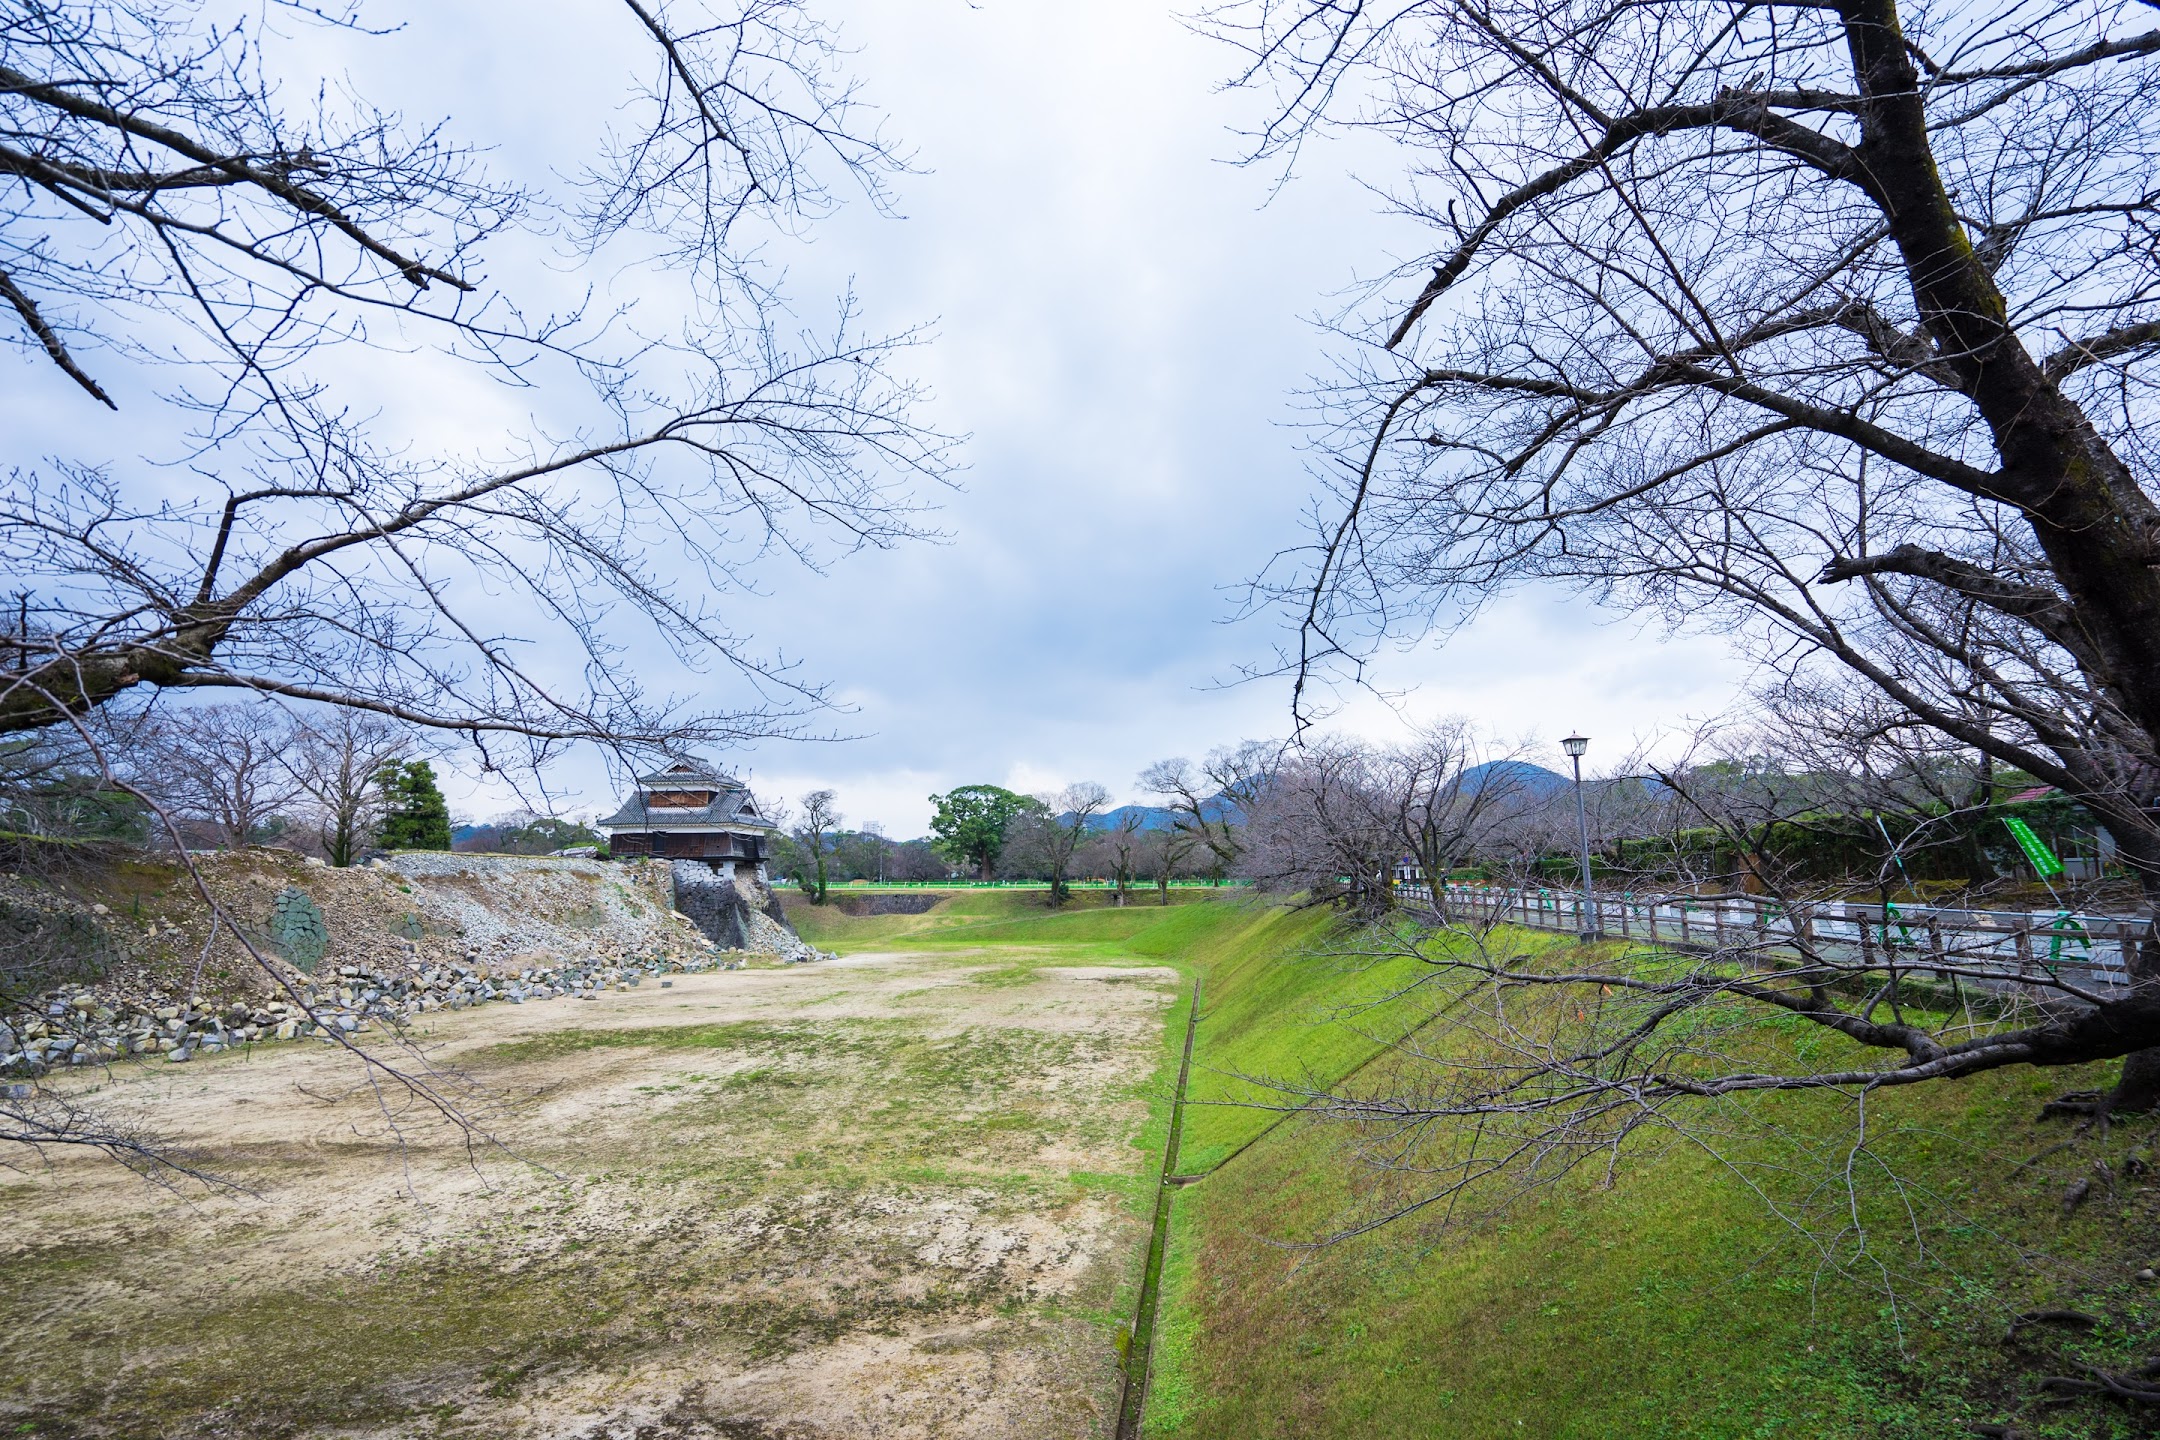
(1122, 322)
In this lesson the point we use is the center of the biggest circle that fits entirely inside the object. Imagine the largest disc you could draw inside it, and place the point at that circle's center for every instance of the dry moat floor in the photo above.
(893, 1195)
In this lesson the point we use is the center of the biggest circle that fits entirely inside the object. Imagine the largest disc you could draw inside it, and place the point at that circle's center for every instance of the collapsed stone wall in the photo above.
(107, 1022)
(529, 905)
(737, 912)
(138, 917)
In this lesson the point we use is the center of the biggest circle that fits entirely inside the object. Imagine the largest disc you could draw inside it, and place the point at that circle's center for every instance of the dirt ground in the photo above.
(892, 1195)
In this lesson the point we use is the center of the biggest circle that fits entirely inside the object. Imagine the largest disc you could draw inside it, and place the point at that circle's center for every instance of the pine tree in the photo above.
(415, 815)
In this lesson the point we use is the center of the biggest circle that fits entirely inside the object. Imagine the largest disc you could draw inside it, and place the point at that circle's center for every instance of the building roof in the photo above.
(689, 770)
(731, 807)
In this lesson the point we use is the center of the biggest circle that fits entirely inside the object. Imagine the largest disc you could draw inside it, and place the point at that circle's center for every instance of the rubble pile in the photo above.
(406, 936)
(98, 1024)
(768, 936)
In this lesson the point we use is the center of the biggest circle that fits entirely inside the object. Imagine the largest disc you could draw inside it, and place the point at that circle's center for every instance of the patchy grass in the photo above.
(729, 1194)
(424, 1338)
(998, 917)
(751, 1188)
(862, 1102)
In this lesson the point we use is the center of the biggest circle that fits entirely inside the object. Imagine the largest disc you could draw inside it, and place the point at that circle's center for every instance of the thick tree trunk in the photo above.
(2138, 1089)
(2096, 525)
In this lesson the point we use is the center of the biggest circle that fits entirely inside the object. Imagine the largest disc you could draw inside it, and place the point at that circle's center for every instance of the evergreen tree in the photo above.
(415, 815)
(971, 824)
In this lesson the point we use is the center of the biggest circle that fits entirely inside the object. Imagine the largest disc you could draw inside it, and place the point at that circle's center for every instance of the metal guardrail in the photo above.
(842, 887)
(1996, 947)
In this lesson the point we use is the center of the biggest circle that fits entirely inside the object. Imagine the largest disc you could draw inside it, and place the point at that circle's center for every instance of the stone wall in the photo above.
(712, 902)
(884, 904)
(736, 912)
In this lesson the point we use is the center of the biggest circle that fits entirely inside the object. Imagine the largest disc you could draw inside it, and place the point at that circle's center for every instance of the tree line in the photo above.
(1767, 800)
(223, 776)
(986, 832)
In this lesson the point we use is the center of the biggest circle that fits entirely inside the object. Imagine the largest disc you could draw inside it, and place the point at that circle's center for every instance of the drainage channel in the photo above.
(1140, 1352)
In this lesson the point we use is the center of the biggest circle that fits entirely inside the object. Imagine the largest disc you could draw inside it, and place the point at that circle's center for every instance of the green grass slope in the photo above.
(1281, 1004)
(1672, 1301)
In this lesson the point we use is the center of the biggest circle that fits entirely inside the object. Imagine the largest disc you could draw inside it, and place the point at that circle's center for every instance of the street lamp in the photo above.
(1575, 745)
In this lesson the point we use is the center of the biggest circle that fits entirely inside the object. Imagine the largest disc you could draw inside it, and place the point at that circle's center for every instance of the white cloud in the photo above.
(1120, 323)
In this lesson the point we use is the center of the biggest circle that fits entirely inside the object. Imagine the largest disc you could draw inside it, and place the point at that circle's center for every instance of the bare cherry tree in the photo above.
(1068, 819)
(334, 756)
(1449, 793)
(1209, 801)
(1831, 325)
(181, 215)
(1123, 848)
(1324, 830)
(814, 835)
(1342, 815)
(915, 861)
(222, 770)
(1167, 853)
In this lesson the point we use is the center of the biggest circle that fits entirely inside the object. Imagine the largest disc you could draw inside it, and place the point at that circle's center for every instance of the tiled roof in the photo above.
(688, 770)
(731, 799)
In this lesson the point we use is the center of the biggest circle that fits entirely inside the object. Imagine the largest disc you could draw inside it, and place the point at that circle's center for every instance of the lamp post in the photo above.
(1575, 745)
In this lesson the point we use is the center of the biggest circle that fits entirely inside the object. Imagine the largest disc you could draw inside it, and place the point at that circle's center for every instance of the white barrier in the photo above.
(2092, 952)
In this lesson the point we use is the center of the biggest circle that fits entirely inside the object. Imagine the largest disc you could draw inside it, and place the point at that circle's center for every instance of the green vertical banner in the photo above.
(2036, 850)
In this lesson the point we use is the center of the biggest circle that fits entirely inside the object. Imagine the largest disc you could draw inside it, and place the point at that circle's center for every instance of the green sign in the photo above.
(2036, 850)
(2068, 927)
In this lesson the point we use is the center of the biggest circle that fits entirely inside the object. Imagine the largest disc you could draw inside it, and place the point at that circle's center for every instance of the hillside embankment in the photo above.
(124, 957)
(150, 921)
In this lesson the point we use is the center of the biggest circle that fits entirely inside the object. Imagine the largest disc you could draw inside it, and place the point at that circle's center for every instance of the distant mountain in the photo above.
(1152, 817)
(1520, 776)
(1161, 817)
